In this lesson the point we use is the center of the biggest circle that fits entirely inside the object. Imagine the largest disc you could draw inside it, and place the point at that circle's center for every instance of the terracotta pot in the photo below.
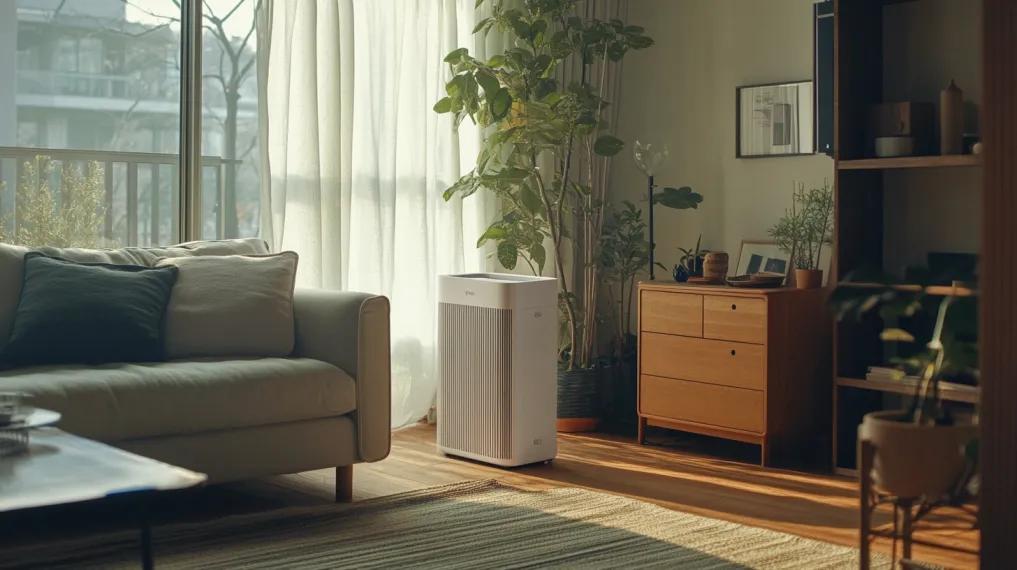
(579, 399)
(715, 266)
(913, 461)
(808, 278)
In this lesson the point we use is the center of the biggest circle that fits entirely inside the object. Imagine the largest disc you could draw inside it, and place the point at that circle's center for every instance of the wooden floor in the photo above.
(814, 506)
(675, 476)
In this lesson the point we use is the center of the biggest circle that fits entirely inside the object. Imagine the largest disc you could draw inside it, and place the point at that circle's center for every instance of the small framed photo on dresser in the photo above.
(761, 256)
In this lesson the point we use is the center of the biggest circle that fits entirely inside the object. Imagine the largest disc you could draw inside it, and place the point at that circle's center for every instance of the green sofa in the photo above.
(325, 405)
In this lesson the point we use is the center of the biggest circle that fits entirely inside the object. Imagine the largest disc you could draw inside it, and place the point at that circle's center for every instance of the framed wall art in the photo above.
(774, 120)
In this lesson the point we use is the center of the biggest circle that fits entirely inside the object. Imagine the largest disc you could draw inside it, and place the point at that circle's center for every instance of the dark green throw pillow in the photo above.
(89, 313)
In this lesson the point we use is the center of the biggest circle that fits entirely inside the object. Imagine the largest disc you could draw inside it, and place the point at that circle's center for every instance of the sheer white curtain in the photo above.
(357, 160)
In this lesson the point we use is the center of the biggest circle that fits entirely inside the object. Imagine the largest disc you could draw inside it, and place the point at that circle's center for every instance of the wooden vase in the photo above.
(715, 266)
(951, 120)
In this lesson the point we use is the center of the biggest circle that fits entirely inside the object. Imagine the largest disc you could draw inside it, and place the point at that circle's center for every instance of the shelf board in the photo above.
(937, 161)
(947, 391)
(939, 290)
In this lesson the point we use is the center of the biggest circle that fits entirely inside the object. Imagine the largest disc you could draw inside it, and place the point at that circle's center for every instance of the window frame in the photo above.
(189, 202)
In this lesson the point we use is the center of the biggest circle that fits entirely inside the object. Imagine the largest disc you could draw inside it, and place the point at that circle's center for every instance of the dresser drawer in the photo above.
(702, 360)
(734, 318)
(720, 406)
(671, 313)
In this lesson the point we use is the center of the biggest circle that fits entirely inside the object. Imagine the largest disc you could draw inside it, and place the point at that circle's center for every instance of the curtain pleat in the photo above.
(357, 161)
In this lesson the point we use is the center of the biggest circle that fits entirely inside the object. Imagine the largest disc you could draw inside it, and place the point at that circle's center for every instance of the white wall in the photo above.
(926, 44)
(682, 92)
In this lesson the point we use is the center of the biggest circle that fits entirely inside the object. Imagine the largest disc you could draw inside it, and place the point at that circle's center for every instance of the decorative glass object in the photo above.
(649, 157)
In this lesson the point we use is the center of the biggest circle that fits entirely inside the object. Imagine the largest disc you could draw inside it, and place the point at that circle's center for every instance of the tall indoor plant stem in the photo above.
(649, 200)
(531, 116)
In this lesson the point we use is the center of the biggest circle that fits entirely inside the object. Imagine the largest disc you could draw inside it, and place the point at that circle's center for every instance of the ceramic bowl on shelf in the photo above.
(887, 147)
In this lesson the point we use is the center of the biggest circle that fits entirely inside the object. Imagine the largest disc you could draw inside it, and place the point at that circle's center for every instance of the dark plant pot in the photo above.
(680, 273)
(697, 266)
(619, 396)
(579, 399)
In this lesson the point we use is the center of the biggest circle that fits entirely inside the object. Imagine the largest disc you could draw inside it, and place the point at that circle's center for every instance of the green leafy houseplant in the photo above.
(929, 448)
(544, 144)
(624, 252)
(691, 258)
(807, 227)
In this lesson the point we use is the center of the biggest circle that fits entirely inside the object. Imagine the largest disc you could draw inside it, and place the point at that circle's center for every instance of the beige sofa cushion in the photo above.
(12, 264)
(125, 401)
(231, 305)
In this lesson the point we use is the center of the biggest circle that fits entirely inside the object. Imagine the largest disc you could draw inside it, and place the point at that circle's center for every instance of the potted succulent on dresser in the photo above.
(545, 147)
(927, 450)
(804, 230)
(690, 264)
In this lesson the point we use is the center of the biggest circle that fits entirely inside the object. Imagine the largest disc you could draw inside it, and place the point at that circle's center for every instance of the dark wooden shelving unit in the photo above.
(861, 184)
(939, 161)
(934, 290)
(949, 392)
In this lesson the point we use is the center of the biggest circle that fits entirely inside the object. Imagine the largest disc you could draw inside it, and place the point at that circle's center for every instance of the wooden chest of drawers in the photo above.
(751, 365)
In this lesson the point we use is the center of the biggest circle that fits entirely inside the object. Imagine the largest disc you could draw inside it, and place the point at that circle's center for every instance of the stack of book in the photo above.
(887, 373)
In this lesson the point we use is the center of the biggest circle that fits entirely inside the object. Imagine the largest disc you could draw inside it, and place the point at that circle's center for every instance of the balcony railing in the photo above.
(140, 192)
(51, 82)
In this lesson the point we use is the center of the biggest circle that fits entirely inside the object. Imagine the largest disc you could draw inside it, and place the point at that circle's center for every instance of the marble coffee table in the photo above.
(59, 468)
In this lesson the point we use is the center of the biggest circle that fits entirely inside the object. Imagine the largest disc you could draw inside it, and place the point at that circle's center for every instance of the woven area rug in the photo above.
(480, 524)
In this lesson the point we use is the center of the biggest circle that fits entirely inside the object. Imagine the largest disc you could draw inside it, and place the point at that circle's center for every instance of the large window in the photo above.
(91, 115)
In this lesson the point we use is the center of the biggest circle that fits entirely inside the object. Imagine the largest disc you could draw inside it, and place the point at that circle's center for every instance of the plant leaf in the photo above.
(678, 198)
(455, 56)
(494, 232)
(443, 106)
(608, 145)
(530, 200)
(508, 254)
(488, 82)
(500, 103)
(896, 335)
(539, 255)
(480, 25)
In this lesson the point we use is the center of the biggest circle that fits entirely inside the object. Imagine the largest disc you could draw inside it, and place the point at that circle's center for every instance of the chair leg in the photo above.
(344, 484)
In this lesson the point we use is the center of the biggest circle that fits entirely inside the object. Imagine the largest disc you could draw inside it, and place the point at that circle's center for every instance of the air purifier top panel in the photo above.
(498, 290)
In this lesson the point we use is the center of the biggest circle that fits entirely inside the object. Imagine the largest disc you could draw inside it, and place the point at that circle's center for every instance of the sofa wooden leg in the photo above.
(344, 484)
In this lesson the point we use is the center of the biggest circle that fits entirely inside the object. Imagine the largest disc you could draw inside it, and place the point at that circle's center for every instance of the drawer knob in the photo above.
(732, 352)
(734, 307)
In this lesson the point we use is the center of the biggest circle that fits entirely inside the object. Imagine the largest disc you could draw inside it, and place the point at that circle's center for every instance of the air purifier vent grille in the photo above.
(476, 380)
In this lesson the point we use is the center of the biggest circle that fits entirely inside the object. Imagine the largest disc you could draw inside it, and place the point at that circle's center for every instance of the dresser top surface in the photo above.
(716, 289)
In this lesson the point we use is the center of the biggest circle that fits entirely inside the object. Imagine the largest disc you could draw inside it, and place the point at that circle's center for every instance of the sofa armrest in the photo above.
(351, 330)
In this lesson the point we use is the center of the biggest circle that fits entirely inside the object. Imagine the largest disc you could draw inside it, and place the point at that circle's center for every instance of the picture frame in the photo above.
(765, 255)
(762, 255)
(774, 119)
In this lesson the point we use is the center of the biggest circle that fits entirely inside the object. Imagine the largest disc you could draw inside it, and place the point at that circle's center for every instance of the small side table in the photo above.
(906, 511)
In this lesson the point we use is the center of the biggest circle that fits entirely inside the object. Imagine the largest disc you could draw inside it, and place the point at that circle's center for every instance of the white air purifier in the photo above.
(497, 389)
